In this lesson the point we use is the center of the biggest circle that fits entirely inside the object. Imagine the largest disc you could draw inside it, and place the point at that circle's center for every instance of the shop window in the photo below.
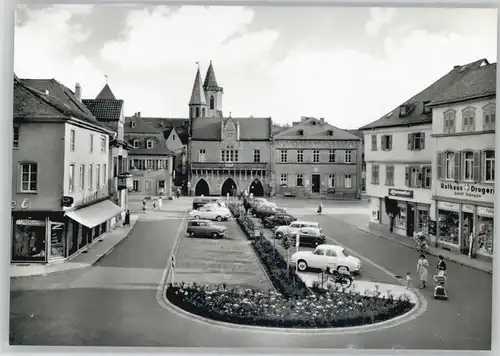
(57, 240)
(300, 180)
(423, 220)
(448, 222)
(29, 240)
(485, 235)
(400, 220)
(300, 156)
(489, 166)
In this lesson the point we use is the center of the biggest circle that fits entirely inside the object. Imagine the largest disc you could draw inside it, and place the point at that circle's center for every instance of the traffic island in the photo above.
(293, 306)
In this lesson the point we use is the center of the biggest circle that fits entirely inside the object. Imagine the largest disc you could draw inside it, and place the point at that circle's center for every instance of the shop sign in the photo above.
(467, 191)
(29, 222)
(24, 203)
(483, 211)
(448, 206)
(402, 193)
(467, 208)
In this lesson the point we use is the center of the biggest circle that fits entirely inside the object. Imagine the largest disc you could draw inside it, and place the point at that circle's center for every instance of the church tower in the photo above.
(213, 93)
(198, 102)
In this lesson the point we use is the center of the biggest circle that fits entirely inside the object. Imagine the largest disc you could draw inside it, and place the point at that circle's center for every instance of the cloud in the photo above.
(178, 37)
(44, 45)
(379, 17)
(351, 88)
(75, 9)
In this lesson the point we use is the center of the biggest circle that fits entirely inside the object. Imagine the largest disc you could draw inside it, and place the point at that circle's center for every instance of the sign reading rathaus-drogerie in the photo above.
(469, 191)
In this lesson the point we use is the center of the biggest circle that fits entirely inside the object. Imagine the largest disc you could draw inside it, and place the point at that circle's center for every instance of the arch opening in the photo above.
(229, 186)
(256, 188)
(202, 188)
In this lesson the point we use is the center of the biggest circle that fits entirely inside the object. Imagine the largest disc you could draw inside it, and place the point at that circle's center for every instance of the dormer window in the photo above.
(132, 124)
(301, 132)
(314, 122)
(330, 132)
(149, 144)
(403, 110)
(427, 109)
(136, 144)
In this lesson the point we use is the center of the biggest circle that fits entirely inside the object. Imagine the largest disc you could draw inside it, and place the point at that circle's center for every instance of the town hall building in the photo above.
(227, 154)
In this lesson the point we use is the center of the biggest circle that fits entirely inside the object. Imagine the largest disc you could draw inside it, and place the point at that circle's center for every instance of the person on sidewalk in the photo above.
(320, 208)
(409, 284)
(422, 271)
(144, 205)
(155, 204)
(126, 221)
(160, 203)
(178, 193)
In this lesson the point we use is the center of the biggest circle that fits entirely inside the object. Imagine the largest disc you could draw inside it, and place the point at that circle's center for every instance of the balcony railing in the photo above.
(228, 165)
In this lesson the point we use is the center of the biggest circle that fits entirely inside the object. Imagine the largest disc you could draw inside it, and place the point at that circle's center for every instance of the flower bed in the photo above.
(252, 307)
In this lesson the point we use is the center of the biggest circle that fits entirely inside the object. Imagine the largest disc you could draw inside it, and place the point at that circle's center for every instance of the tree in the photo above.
(392, 209)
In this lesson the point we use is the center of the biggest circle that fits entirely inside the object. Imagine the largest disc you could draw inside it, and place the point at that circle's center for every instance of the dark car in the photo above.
(205, 228)
(263, 211)
(309, 237)
(278, 220)
(199, 202)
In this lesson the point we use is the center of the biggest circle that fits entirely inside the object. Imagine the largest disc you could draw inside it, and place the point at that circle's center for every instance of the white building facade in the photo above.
(464, 135)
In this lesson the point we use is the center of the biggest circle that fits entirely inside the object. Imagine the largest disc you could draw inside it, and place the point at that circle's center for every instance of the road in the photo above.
(114, 303)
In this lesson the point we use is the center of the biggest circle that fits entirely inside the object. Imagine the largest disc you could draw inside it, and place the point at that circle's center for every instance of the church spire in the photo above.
(197, 95)
(106, 93)
(210, 81)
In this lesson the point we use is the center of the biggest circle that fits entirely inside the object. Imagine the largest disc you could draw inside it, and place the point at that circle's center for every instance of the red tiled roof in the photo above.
(104, 109)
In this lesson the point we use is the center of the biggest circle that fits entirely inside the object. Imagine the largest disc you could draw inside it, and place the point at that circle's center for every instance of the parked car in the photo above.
(324, 256)
(308, 236)
(278, 219)
(216, 204)
(199, 202)
(210, 213)
(205, 228)
(293, 228)
(263, 211)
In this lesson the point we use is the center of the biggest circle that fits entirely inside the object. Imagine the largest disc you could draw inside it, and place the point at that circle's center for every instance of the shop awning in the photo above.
(95, 214)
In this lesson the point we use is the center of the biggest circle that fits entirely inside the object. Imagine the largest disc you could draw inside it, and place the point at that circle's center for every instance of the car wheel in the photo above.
(191, 234)
(215, 235)
(197, 217)
(279, 235)
(218, 218)
(302, 265)
(343, 269)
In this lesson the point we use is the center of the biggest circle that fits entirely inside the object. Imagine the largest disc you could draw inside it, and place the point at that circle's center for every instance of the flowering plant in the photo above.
(254, 307)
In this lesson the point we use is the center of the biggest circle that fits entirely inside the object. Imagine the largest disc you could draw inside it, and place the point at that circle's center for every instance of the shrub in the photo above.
(253, 307)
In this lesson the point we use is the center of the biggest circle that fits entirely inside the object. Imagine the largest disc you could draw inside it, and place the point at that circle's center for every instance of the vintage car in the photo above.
(308, 236)
(205, 228)
(326, 256)
(279, 219)
(211, 213)
(293, 228)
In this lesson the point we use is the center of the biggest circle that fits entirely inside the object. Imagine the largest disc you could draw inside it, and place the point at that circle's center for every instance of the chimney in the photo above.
(322, 119)
(78, 91)
(138, 114)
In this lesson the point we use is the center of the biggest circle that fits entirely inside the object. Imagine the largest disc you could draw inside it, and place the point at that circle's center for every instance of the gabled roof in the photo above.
(30, 103)
(314, 129)
(357, 133)
(182, 132)
(475, 84)
(59, 91)
(415, 106)
(105, 109)
(210, 81)
(106, 93)
(197, 95)
(144, 125)
(251, 128)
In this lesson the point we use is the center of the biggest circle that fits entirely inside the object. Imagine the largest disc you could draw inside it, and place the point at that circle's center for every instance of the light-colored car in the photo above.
(217, 205)
(295, 227)
(323, 256)
(211, 213)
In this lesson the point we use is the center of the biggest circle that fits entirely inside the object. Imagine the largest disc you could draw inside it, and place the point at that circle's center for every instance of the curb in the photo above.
(489, 271)
(78, 268)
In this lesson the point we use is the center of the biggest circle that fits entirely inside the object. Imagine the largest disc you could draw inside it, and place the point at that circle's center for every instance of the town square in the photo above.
(252, 202)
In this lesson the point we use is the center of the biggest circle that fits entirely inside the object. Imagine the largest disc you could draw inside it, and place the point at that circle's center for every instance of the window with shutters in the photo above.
(468, 119)
(315, 156)
(489, 166)
(375, 174)
(386, 142)
(331, 157)
(468, 166)
(300, 156)
(374, 142)
(415, 177)
(416, 141)
(389, 175)
(489, 117)
(427, 177)
(449, 121)
(449, 165)
(284, 156)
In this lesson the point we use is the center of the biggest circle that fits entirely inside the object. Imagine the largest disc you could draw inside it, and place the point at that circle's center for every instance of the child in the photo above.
(408, 281)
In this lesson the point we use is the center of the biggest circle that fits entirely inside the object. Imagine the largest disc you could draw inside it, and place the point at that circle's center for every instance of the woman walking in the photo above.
(126, 221)
(160, 203)
(422, 272)
(320, 208)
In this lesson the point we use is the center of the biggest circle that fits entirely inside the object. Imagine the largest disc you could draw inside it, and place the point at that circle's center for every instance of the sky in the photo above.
(350, 66)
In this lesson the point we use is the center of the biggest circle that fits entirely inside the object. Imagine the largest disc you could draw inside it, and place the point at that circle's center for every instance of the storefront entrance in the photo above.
(315, 183)
(410, 220)
(57, 248)
(467, 229)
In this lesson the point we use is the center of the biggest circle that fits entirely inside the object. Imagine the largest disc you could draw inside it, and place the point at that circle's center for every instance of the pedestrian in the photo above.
(126, 222)
(320, 208)
(144, 205)
(160, 203)
(441, 266)
(178, 193)
(409, 284)
(422, 272)
(154, 203)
